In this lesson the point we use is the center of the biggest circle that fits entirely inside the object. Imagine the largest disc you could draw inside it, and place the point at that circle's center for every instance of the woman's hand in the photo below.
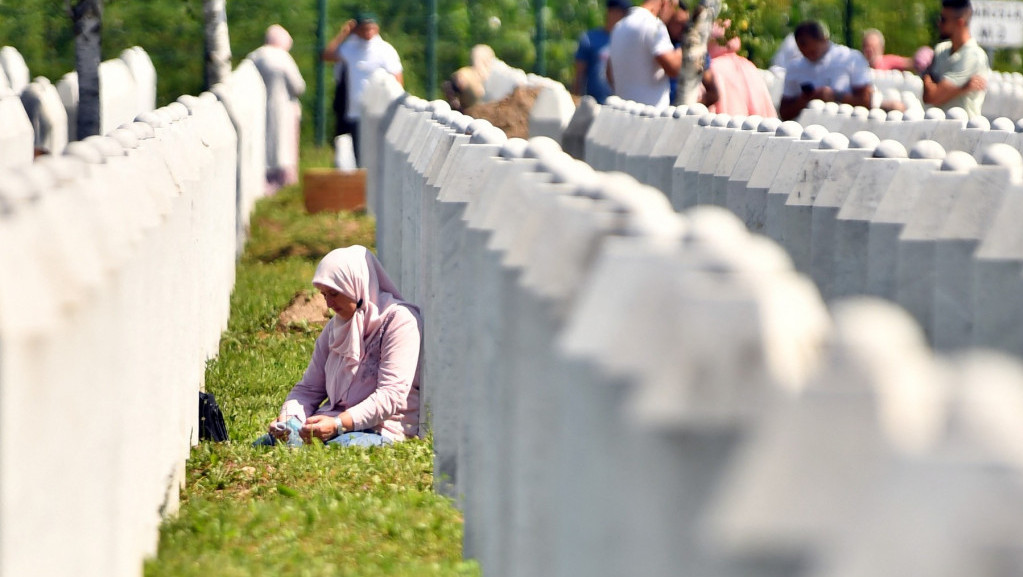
(320, 427)
(278, 432)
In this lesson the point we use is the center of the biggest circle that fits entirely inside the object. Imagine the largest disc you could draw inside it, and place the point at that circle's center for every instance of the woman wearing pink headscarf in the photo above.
(362, 384)
(740, 85)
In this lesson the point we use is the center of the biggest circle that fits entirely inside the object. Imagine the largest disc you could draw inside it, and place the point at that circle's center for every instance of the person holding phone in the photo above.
(827, 71)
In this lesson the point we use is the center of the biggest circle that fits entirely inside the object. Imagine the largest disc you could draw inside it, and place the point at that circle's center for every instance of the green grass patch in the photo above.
(314, 511)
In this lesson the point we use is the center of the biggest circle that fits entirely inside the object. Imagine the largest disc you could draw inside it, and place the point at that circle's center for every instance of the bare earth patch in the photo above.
(305, 309)
(511, 114)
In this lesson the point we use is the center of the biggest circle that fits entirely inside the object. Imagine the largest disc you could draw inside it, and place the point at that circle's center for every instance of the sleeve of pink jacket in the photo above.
(312, 389)
(399, 357)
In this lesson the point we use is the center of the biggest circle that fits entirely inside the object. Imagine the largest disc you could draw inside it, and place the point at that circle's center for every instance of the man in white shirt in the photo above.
(359, 51)
(827, 71)
(642, 56)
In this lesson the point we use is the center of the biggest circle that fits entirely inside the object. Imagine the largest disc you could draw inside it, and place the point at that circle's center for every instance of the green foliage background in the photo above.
(171, 31)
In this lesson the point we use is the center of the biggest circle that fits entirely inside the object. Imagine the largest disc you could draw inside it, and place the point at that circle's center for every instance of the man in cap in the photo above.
(359, 51)
(592, 54)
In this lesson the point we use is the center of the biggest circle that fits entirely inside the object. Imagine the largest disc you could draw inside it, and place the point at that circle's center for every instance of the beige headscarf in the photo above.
(278, 37)
(356, 273)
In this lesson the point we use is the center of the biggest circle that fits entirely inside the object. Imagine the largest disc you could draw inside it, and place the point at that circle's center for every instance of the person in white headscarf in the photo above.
(284, 86)
(362, 384)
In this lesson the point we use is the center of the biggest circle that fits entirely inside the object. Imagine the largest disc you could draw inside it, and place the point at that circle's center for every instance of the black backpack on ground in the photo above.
(211, 420)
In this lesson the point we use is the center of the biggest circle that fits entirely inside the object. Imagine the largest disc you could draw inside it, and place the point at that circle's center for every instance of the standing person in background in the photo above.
(360, 50)
(827, 71)
(873, 51)
(591, 56)
(284, 85)
(958, 73)
(741, 90)
(641, 56)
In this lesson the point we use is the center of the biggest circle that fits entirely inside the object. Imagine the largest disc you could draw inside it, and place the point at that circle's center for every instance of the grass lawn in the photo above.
(313, 511)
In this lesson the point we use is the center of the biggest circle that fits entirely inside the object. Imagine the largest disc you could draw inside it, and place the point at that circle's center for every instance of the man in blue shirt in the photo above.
(592, 54)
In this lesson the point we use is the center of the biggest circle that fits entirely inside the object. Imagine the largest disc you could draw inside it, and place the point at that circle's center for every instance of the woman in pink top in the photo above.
(362, 384)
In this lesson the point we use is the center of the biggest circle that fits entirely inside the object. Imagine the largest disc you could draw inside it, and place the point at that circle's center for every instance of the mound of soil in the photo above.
(304, 309)
(511, 114)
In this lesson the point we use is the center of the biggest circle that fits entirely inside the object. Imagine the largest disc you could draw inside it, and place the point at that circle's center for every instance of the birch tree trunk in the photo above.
(87, 16)
(218, 42)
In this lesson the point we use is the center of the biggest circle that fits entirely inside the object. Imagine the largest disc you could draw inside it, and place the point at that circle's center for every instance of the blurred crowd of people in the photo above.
(660, 52)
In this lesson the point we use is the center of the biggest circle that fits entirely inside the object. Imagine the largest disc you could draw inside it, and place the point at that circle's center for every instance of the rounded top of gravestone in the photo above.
(934, 113)
(668, 112)
(649, 112)
(1019, 125)
(444, 117)
(125, 137)
(709, 223)
(176, 111)
(894, 116)
(1004, 124)
(680, 111)
(492, 135)
(877, 114)
(460, 122)
(84, 151)
(736, 121)
(815, 104)
(831, 107)
(913, 114)
(142, 130)
(752, 122)
(769, 125)
(151, 118)
(864, 139)
(613, 101)
(439, 106)
(478, 125)
(789, 128)
(542, 147)
(979, 122)
(834, 141)
(890, 149)
(721, 120)
(927, 150)
(957, 113)
(189, 102)
(697, 109)
(567, 170)
(107, 146)
(706, 119)
(866, 330)
(958, 161)
(814, 132)
(417, 104)
(634, 108)
(861, 112)
(514, 148)
(1005, 155)
(845, 109)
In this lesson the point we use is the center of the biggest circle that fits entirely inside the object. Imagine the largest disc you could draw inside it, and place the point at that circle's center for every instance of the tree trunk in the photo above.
(87, 16)
(218, 42)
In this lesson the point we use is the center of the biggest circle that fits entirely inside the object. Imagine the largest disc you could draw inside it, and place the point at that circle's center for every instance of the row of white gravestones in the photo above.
(112, 299)
(1004, 91)
(859, 215)
(128, 88)
(615, 388)
(244, 96)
